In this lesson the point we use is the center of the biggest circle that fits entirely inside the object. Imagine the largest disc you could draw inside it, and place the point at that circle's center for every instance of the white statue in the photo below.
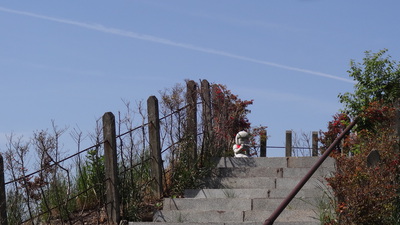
(241, 147)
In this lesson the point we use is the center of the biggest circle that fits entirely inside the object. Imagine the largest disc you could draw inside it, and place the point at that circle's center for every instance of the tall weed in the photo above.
(90, 181)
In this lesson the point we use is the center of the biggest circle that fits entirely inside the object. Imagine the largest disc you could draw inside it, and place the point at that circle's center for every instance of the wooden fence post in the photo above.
(110, 164)
(314, 143)
(155, 146)
(207, 119)
(263, 143)
(288, 143)
(3, 202)
(191, 123)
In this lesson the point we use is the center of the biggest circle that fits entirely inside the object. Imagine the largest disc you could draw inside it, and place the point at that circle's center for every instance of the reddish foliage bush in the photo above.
(366, 195)
(229, 117)
(335, 128)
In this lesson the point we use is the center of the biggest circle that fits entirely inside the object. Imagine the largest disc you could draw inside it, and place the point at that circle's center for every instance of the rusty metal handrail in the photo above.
(303, 181)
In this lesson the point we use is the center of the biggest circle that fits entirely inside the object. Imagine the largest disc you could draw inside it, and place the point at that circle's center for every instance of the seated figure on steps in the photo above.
(241, 147)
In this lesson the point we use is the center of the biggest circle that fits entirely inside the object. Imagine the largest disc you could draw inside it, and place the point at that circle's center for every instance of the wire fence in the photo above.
(56, 194)
(83, 188)
(30, 193)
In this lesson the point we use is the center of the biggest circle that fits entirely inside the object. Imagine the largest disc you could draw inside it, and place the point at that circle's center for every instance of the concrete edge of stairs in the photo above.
(224, 223)
(213, 216)
(273, 162)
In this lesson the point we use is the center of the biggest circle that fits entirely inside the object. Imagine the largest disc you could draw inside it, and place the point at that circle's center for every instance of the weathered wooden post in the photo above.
(110, 164)
(3, 202)
(314, 143)
(207, 118)
(221, 116)
(288, 143)
(155, 146)
(263, 143)
(191, 123)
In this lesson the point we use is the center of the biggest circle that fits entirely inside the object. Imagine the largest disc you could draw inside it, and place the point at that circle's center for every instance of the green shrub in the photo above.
(55, 203)
(15, 207)
(134, 188)
(90, 181)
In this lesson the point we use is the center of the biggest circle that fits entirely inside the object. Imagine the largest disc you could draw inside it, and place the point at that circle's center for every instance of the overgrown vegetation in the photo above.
(377, 80)
(367, 194)
(58, 194)
(89, 181)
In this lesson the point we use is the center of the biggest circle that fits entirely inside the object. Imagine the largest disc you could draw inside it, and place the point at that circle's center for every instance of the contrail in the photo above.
(154, 39)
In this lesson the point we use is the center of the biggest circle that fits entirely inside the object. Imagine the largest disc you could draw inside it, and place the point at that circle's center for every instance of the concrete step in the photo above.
(270, 172)
(303, 193)
(235, 204)
(260, 182)
(226, 223)
(227, 193)
(247, 190)
(191, 216)
(288, 216)
(287, 183)
(251, 193)
(301, 172)
(308, 162)
(260, 204)
(195, 216)
(207, 204)
(248, 172)
(278, 162)
(273, 162)
(237, 183)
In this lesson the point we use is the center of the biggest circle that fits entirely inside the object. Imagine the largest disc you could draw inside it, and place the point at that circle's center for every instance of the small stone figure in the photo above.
(241, 147)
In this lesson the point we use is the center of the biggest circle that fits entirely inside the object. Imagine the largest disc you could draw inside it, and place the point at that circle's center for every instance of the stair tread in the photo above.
(227, 223)
(243, 172)
(273, 162)
(232, 216)
(265, 182)
(251, 193)
(247, 191)
(240, 204)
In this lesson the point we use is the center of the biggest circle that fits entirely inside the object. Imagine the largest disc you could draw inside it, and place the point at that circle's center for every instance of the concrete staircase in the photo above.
(247, 191)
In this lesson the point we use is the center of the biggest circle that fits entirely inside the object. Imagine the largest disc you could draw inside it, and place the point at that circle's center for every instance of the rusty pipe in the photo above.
(304, 180)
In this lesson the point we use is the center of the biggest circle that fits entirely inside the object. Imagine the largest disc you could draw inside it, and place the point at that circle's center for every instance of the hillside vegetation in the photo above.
(365, 192)
(45, 185)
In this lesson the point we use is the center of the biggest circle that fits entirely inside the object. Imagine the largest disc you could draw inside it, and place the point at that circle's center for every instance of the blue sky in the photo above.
(72, 61)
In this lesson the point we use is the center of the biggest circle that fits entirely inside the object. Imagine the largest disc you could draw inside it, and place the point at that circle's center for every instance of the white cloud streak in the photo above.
(144, 37)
